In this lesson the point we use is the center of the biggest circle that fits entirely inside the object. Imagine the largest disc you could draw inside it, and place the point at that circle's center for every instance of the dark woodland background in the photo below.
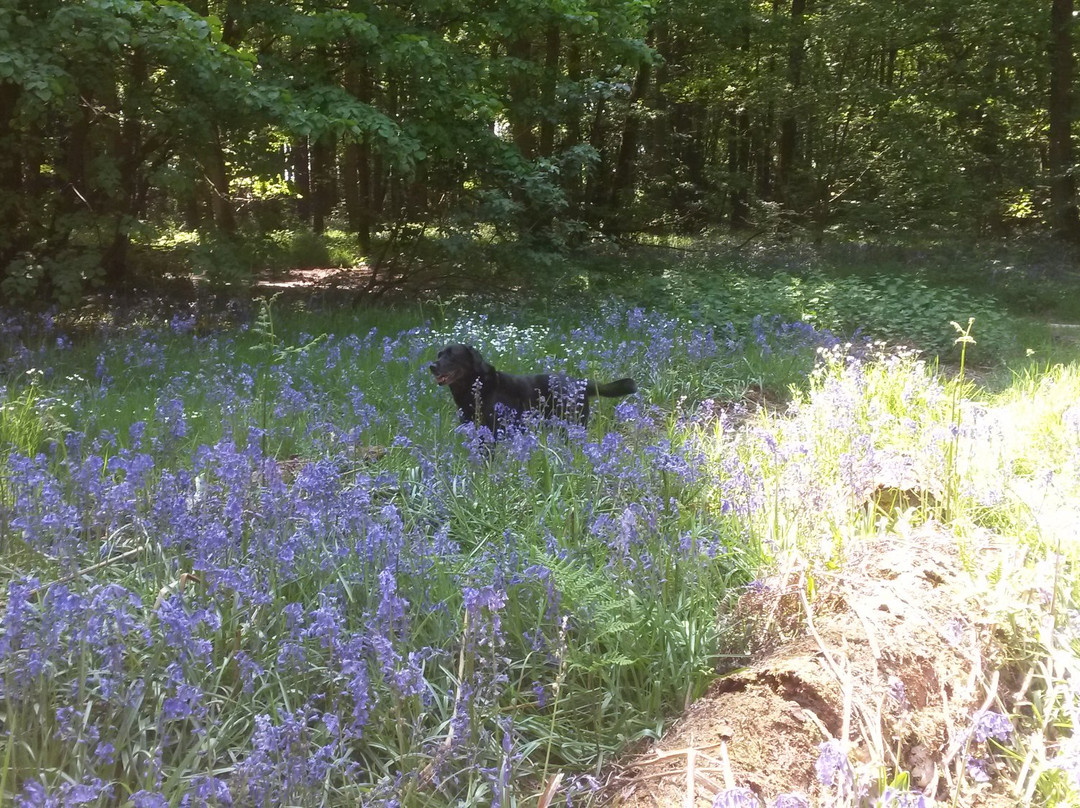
(215, 138)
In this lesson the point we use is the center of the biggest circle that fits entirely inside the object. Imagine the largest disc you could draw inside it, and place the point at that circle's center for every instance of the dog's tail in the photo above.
(621, 387)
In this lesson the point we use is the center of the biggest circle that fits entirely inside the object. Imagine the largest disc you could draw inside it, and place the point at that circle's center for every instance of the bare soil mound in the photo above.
(887, 657)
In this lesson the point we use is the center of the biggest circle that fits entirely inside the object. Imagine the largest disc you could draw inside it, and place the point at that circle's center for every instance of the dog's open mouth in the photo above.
(445, 378)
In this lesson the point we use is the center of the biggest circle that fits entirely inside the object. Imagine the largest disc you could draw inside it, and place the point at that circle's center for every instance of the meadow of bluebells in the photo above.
(310, 586)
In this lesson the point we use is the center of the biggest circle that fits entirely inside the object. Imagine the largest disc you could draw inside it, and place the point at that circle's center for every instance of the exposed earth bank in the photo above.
(891, 659)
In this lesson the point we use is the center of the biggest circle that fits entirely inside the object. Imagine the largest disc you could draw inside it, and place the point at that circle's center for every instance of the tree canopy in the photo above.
(533, 120)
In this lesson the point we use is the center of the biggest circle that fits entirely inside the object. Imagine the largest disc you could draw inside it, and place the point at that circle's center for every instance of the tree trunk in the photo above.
(631, 138)
(763, 157)
(350, 186)
(548, 113)
(218, 173)
(322, 170)
(521, 93)
(302, 178)
(574, 112)
(356, 165)
(77, 193)
(10, 175)
(788, 145)
(738, 165)
(1063, 212)
(129, 158)
(595, 185)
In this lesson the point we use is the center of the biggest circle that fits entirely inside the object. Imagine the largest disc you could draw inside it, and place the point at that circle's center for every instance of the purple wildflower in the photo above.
(105, 753)
(897, 692)
(978, 769)
(953, 631)
(896, 798)
(148, 799)
(34, 795)
(991, 724)
(791, 801)
(207, 792)
(832, 766)
(736, 798)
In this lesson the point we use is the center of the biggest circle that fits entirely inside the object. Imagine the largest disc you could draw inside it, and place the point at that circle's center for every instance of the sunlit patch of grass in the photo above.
(1031, 460)
(28, 419)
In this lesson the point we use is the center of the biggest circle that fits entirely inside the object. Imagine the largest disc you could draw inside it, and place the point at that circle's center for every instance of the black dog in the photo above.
(488, 397)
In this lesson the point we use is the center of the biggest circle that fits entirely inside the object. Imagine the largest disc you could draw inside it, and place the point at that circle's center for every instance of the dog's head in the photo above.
(456, 362)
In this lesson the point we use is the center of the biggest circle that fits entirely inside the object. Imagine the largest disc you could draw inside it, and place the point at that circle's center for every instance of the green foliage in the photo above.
(910, 310)
(27, 420)
(63, 275)
(537, 126)
(899, 308)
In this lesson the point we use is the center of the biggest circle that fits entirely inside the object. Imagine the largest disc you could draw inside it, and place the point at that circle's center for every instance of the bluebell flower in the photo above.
(540, 691)
(170, 414)
(989, 724)
(249, 671)
(484, 605)
(953, 631)
(978, 769)
(181, 628)
(736, 798)
(207, 792)
(35, 795)
(105, 753)
(187, 699)
(149, 799)
(832, 766)
(898, 798)
(393, 609)
(358, 687)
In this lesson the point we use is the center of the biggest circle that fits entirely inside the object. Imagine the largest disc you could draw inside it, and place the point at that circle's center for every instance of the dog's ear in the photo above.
(483, 368)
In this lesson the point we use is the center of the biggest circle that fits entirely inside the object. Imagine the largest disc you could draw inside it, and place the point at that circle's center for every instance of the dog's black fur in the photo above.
(489, 397)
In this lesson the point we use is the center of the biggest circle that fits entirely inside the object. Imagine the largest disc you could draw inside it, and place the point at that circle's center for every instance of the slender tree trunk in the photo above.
(1063, 211)
(665, 115)
(218, 173)
(548, 113)
(301, 164)
(356, 165)
(738, 165)
(631, 139)
(322, 171)
(77, 193)
(787, 147)
(192, 210)
(129, 158)
(763, 156)
(350, 185)
(232, 33)
(521, 97)
(573, 181)
(364, 188)
(595, 186)
(10, 175)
